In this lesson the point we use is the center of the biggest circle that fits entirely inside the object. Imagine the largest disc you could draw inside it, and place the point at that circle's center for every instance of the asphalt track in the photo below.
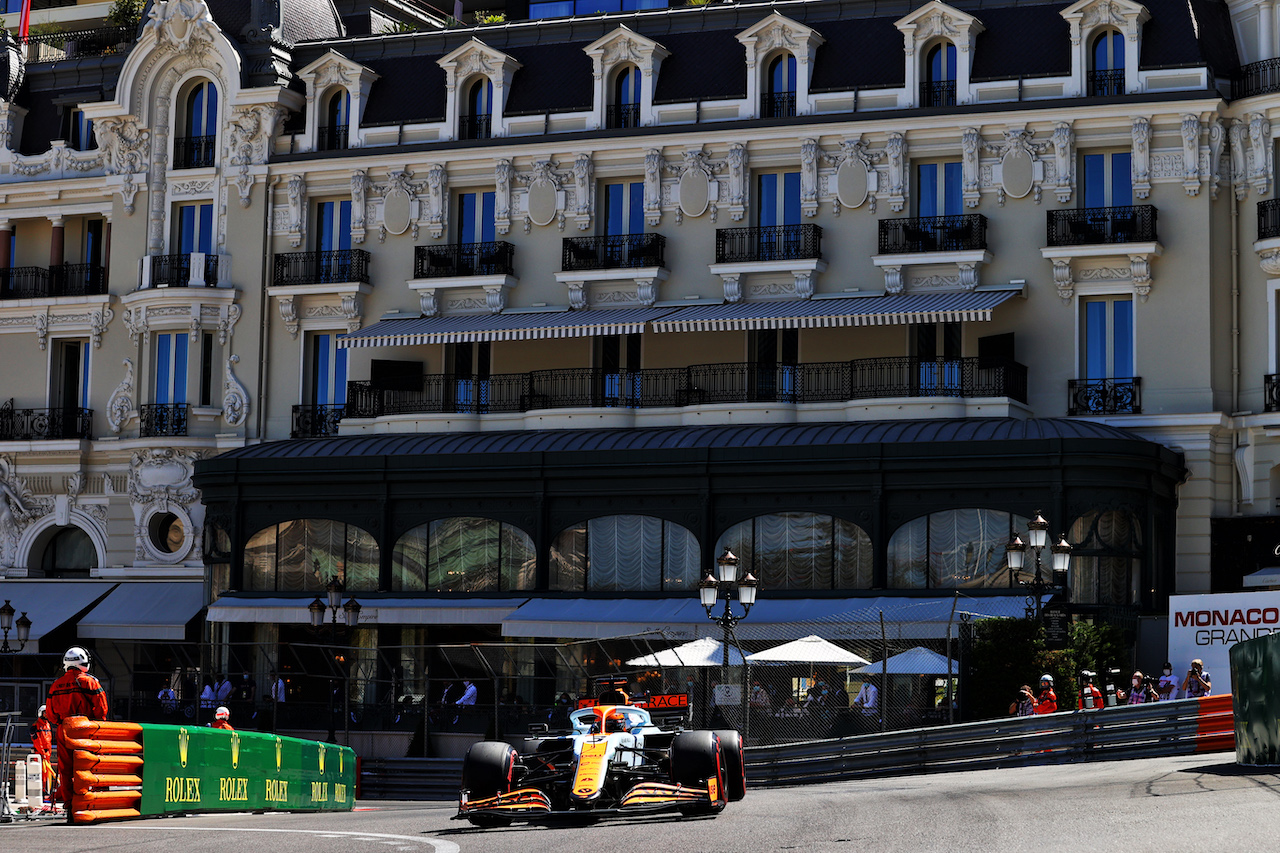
(1184, 803)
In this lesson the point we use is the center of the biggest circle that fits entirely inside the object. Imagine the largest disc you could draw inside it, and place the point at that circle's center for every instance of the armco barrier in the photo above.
(125, 770)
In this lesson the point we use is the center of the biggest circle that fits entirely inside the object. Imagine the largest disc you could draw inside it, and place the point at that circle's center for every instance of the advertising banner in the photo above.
(1207, 626)
(197, 769)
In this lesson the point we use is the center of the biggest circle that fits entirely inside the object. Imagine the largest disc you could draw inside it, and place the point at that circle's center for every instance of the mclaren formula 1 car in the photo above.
(615, 761)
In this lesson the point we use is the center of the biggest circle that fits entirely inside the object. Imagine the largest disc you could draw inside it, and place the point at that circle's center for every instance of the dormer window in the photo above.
(779, 100)
(1106, 74)
(197, 143)
(938, 89)
(334, 136)
(476, 122)
(625, 109)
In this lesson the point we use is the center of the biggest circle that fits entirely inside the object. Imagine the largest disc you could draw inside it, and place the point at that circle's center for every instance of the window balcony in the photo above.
(1102, 225)
(332, 138)
(1104, 396)
(1271, 393)
(617, 116)
(1269, 219)
(933, 234)
(187, 269)
(44, 424)
(162, 419)
(778, 105)
(1257, 78)
(772, 243)
(464, 259)
(316, 421)
(311, 268)
(194, 152)
(25, 283)
(62, 280)
(475, 127)
(619, 251)
(74, 44)
(1105, 83)
(939, 93)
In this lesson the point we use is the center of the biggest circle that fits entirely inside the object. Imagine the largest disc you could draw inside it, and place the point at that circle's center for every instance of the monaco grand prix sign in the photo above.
(1207, 626)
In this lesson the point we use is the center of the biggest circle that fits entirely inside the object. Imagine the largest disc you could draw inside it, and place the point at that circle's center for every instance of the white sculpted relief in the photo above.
(502, 172)
(896, 150)
(1141, 157)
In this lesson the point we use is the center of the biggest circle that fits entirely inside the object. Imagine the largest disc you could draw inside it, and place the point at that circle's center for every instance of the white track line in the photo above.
(439, 845)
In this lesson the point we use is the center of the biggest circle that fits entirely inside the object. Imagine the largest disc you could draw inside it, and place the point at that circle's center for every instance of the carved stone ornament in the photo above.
(1217, 141)
(437, 200)
(1020, 170)
(1260, 145)
(297, 189)
(502, 174)
(359, 188)
(182, 26)
(736, 161)
(896, 150)
(583, 170)
(120, 403)
(856, 177)
(17, 510)
(235, 399)
(544, 199)
(1239, 133)
(1141, 163)
(1269, 259)
(809, 154)
(652, 187)
(1064, 140)
(1191, 127)
(250, 135)
(124, 145)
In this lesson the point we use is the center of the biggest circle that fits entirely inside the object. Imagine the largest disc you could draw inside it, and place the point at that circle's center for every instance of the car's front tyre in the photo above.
(695, 758)
(487, 771)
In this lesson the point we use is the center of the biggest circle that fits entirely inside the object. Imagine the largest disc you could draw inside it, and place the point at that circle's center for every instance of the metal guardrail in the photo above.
(410, 778)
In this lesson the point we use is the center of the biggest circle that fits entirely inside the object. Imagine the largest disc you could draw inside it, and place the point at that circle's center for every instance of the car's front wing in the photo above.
(528, 803)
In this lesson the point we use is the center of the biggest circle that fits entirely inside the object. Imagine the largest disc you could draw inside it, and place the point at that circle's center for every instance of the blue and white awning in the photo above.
(503, 327)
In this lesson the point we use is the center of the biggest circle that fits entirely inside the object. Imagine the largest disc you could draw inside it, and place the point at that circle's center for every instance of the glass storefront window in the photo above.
(1106, 558)
(301, 555)
(956, 549)
(625, 553)
(464, 554)
(802, 550)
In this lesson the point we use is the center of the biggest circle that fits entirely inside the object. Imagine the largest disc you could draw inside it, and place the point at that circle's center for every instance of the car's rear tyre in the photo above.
(486, 772)
(695, 758)
(735, 764)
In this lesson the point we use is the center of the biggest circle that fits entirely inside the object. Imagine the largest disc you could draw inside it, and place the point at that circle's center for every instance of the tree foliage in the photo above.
(125, 13)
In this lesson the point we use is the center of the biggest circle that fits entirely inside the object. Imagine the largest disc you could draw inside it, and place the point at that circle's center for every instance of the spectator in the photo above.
(1197, 682)
(1141, 691)
(760, 700)
(1090, 695)
(1047, 701)
(468, 696)
(222, 690)
(208, 696)
(1024, 705)
(1168, 687)
(168, 699)
(278, 689)
(868, 704)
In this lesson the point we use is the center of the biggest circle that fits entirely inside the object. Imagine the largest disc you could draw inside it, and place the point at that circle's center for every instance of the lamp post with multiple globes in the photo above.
(351, 616)
(1037, 538)
(727, 584)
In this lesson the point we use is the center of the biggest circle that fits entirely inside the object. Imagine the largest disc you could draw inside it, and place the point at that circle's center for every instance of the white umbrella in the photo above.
(917, 661)
(704, 652)
(810, 649)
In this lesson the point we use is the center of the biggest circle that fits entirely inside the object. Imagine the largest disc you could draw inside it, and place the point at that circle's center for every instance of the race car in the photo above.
(615, 761)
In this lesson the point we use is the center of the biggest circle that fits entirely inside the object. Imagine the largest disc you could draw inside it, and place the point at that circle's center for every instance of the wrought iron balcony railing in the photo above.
(1101, 225)
(78, 280)
(618, 251)
(697, 384)
(36, 424)
(1104, 396)
(771, 243)
(332, 267)
(175, 270)
(1271, 393)
(74, 44)
(1269, 218)
(194, 152)
(778, 105)
(24, 283)
(621, 115)
(1105, 83)
(475, 127)
(464, 259)
(939, 93)
(933, 234)
(1257, 78)
(316, 421)
(333, 138)
(162, 419)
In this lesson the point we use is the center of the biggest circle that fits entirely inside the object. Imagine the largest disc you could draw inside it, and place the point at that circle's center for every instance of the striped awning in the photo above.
(851, 311)
(503, 327)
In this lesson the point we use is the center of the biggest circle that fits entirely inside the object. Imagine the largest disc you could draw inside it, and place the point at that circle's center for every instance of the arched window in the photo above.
(1106, 76)
(464, 554)
(625, 553)
(302, 555)
(780, 88)
(68, 552)
(938, 89)
(198, 141)
(1106, 558)
(476, 122)
(625, 109)
(801, 550)
(954, 549)
(334, 135)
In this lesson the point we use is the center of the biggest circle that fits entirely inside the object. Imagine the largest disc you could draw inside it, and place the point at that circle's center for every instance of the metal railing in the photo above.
(771, 243)
(475, 127)
(332, 267)
(333, 138)
(618, 251)
(175, 270)
(194, 152)
(316, 421)
(464, 259)
(35, 424)
(778, 105)
(933, 234)
(78, 280)
(1100, 225)
(73, 44)
(940, 93)
(162, 419)
(1271, 393)
(1257, 78)
(1104, 396)
(698, 384)
(1269, 218)
(1105, 83)
(24, 283)
(621, 116)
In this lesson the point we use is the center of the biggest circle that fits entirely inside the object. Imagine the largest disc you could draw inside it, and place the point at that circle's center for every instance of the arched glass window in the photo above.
(625, 553)
(68, 553)
(334, 135)
(194, 147)
(955, 549)
(477, 119)
(938, 89)
(303, 554)
(1106, 558)
(464, 554)
(1106, 77)
(780, 89)
(801, 550)
(625, 109)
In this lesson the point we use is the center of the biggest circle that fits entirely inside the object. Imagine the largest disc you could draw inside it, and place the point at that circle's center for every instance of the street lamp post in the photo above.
(8, 623)
(726, 580)
(351, 616)
(1037, 538)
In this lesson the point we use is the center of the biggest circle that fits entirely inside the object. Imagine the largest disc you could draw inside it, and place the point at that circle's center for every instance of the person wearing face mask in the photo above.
(1167, 688)
(1141, 690)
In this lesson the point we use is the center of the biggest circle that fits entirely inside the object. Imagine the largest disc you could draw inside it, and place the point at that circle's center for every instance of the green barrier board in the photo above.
(196, 769)
(1255, 698)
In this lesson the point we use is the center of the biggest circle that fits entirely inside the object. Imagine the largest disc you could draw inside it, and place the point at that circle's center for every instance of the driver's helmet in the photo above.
(615, 721)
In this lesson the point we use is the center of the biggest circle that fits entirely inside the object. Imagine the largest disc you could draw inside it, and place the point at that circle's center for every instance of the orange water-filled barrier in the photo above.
(106, 784)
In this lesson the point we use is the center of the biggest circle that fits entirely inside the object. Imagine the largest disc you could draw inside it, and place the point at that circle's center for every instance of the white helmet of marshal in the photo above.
(40, 712)
(76, 657)
(1046, 678)
(223, 713)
